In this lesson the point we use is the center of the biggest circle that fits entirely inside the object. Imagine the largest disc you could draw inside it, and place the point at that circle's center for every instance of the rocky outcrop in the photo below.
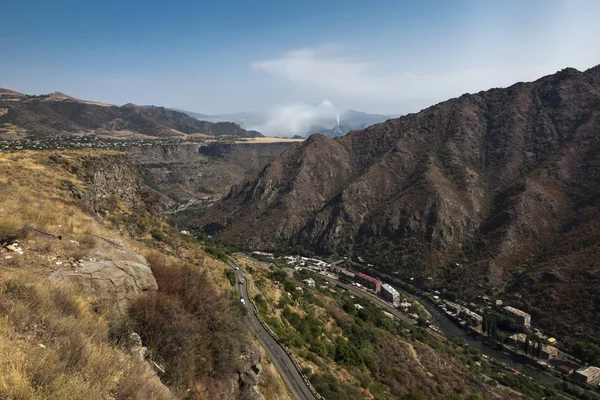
(248, 375)
(202, 172)
(112, 272)
(111, 180)
(504, 182)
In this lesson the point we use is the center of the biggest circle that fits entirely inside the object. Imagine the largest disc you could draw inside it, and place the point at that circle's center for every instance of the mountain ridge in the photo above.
(501, 182)
(56, 113)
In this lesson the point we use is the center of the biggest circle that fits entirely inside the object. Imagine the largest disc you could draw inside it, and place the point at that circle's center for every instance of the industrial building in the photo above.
(587, 374)
(368, 281)
(521, 317)
(390, 294)
(549, 352)
(342, 271)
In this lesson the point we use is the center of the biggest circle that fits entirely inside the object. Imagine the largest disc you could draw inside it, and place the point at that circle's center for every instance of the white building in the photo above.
(390, 294)
(310, 282)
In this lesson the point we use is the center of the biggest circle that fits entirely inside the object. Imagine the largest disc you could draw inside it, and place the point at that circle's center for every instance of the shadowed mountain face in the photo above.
(57, 113)
(495, 192)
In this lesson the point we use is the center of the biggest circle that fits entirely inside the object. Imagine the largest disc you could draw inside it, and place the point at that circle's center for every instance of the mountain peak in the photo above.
(59, 96)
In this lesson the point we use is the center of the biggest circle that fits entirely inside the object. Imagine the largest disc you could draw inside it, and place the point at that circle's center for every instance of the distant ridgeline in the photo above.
(23, 116)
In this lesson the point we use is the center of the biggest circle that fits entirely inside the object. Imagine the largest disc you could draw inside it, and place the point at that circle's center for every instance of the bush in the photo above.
(189, 327)
(158, 234)
(230, 276)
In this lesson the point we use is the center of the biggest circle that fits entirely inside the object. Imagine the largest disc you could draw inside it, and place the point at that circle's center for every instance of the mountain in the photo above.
(244, 118)
(493, 193)
(56, 113)
(321, 122)
(349, 120)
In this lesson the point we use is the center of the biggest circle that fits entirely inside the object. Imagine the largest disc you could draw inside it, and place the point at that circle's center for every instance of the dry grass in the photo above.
(55, 343)
(35, 197)
(55, 346)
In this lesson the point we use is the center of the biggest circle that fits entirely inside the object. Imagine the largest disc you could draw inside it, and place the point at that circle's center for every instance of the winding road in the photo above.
(282, 360)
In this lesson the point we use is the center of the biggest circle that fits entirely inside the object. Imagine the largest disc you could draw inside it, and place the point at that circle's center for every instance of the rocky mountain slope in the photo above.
(493, 192)
(30, 116)
(202, 172)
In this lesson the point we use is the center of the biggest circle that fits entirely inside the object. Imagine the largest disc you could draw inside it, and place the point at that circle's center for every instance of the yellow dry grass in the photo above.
(54, 342)
(54, 346)
(35, 198)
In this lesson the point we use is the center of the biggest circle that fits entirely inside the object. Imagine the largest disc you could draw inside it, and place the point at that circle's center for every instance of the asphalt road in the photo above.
(282, 360)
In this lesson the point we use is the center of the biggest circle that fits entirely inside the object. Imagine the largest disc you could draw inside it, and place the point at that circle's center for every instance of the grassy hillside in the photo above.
(57, 342)
(351, 350)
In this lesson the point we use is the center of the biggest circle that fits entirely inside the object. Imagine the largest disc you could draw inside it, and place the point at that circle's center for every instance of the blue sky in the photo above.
(214, 57)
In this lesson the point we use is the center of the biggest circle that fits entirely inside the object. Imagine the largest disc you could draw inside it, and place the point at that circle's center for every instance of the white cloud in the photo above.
(296, 119)
(325, 69)
(385, 87)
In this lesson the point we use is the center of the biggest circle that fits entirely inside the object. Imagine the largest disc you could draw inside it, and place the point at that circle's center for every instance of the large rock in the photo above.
(248, 375)
(113, 272)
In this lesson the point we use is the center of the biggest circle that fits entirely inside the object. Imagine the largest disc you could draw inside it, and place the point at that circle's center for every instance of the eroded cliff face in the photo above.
(111, 180)
(202, 172)
(498, 181)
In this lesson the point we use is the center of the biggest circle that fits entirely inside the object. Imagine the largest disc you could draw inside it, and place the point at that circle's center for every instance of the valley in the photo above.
(338, 200)
(490, 194)
(397, 202)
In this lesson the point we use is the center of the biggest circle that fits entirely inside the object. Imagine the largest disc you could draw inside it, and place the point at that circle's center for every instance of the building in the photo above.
(341, 271)
(310, 282)
(521, 317)
(567, 368)
(549, 352)
(587, 374)
(517, 339)
(474, 318)
(369, 282)
(390, 294)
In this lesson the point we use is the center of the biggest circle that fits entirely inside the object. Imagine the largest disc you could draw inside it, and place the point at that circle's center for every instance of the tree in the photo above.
(414, 394)
(587, 352)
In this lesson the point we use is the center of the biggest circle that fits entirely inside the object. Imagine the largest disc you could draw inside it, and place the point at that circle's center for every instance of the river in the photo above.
(447, 326)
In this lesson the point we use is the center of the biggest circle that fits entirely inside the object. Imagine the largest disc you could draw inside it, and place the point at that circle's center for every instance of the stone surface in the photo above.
(113, 272)
(248, 375)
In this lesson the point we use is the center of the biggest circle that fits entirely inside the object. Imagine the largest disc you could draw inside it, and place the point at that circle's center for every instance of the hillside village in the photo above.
(492, 321)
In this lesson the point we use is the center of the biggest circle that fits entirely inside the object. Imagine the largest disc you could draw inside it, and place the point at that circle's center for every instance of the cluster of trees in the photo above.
(533, 346)
(332, 389)
(495, 324)
(587, 352)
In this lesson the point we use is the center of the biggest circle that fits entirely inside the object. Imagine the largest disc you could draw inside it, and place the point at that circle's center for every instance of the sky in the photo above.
(389, 57)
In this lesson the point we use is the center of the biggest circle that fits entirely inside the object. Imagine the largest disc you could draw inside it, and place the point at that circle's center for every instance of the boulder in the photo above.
(113, 272)
(248, 375)
(118, 280)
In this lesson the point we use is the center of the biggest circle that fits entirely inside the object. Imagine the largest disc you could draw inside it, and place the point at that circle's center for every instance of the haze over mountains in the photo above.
(300, 119)
(496, 192)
